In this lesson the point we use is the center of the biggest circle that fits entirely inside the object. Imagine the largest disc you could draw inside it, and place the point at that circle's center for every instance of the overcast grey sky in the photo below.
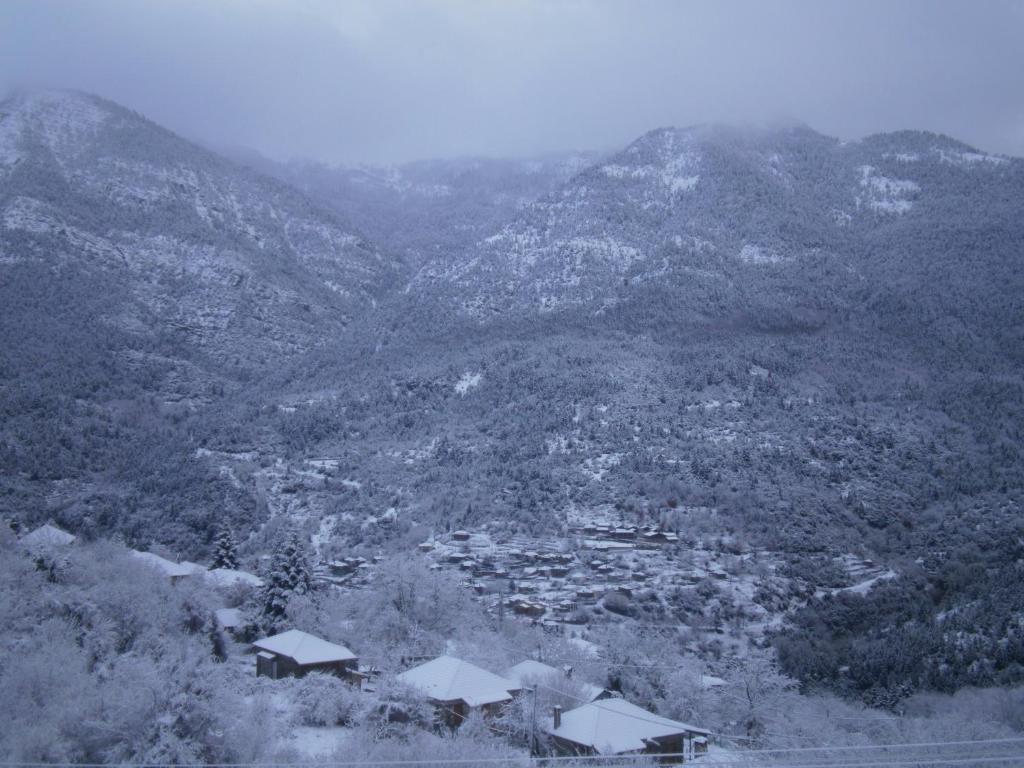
(380, 80)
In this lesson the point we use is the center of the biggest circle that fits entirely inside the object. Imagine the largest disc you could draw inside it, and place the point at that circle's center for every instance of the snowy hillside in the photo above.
(202, 246)
(718, 211)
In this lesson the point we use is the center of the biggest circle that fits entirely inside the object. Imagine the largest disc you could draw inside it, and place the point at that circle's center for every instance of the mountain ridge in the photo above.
(238, 226)
(647, 210)
(675, 265)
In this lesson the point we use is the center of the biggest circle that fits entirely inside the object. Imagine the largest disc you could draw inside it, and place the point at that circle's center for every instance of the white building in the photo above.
(616, 727)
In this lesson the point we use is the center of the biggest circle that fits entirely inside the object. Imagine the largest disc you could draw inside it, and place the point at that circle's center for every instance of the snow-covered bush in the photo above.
(322, 699)
(397, 705)
(444, 748)
(111, 665)
(412, 610)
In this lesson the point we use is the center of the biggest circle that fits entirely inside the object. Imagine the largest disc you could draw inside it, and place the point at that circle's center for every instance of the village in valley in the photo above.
(558, 583)
(598, 721)
(601, 574)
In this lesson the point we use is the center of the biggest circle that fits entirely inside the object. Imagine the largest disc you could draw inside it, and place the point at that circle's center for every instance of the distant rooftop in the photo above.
(48, 536)
(164, 565)
(531, 671)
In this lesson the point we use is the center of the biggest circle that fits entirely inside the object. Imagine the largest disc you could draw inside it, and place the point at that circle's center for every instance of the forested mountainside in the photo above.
(145, 278)
(779, 228)
(810, 346)
(202, 245)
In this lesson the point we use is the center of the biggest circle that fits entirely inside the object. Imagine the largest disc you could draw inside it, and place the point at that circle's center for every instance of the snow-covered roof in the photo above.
(227, 577)
(168, 568)
(304, 648)
(531, 671)
(48, 536)
(614, 726)
(449, 679)
(229, 618)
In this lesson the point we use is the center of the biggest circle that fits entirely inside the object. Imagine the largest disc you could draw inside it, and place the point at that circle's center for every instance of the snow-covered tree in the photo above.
(225, 554)
(289, 575)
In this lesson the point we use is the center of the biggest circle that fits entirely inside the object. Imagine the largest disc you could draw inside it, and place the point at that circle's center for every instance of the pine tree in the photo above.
(225, 554)
(277, 588)
(216, 640)
(298, 565)
(289, 575)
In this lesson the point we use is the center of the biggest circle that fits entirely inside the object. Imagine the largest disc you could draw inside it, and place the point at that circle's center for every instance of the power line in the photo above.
(918, 762)
(564, 660)
(896, 745)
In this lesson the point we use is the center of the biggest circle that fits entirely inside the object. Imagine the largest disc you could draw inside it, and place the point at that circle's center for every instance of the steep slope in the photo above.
(225, 256)
(766, 322)
(938, 235)
(143, 279)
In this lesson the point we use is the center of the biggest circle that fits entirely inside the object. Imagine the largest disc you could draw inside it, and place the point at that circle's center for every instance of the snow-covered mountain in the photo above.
(186, 338)
(200, 246)
(144, 279)
(730, 220)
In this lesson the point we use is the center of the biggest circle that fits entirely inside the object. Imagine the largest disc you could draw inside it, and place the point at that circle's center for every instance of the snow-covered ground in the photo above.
(468, 381)
(314, 742)
(885, 195)
(756, 254)
(863, 587)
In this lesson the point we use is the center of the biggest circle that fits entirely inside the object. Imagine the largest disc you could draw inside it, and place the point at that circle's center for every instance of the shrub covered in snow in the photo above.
(322, 699)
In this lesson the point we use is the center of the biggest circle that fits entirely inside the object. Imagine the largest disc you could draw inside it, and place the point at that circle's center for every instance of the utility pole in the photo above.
(501, 609)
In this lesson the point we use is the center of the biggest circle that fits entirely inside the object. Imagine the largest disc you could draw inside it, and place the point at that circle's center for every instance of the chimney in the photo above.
(558, 716)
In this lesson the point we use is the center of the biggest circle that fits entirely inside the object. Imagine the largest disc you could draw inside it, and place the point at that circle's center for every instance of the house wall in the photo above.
(288, 667)
(266, 667)
(568, 748)
(453, 713)
(669, 745)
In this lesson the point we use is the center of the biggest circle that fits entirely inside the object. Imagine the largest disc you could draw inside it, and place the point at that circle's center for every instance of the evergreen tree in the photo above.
(225, 554)
(298, 565)
(216, 640)
(289, 575)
